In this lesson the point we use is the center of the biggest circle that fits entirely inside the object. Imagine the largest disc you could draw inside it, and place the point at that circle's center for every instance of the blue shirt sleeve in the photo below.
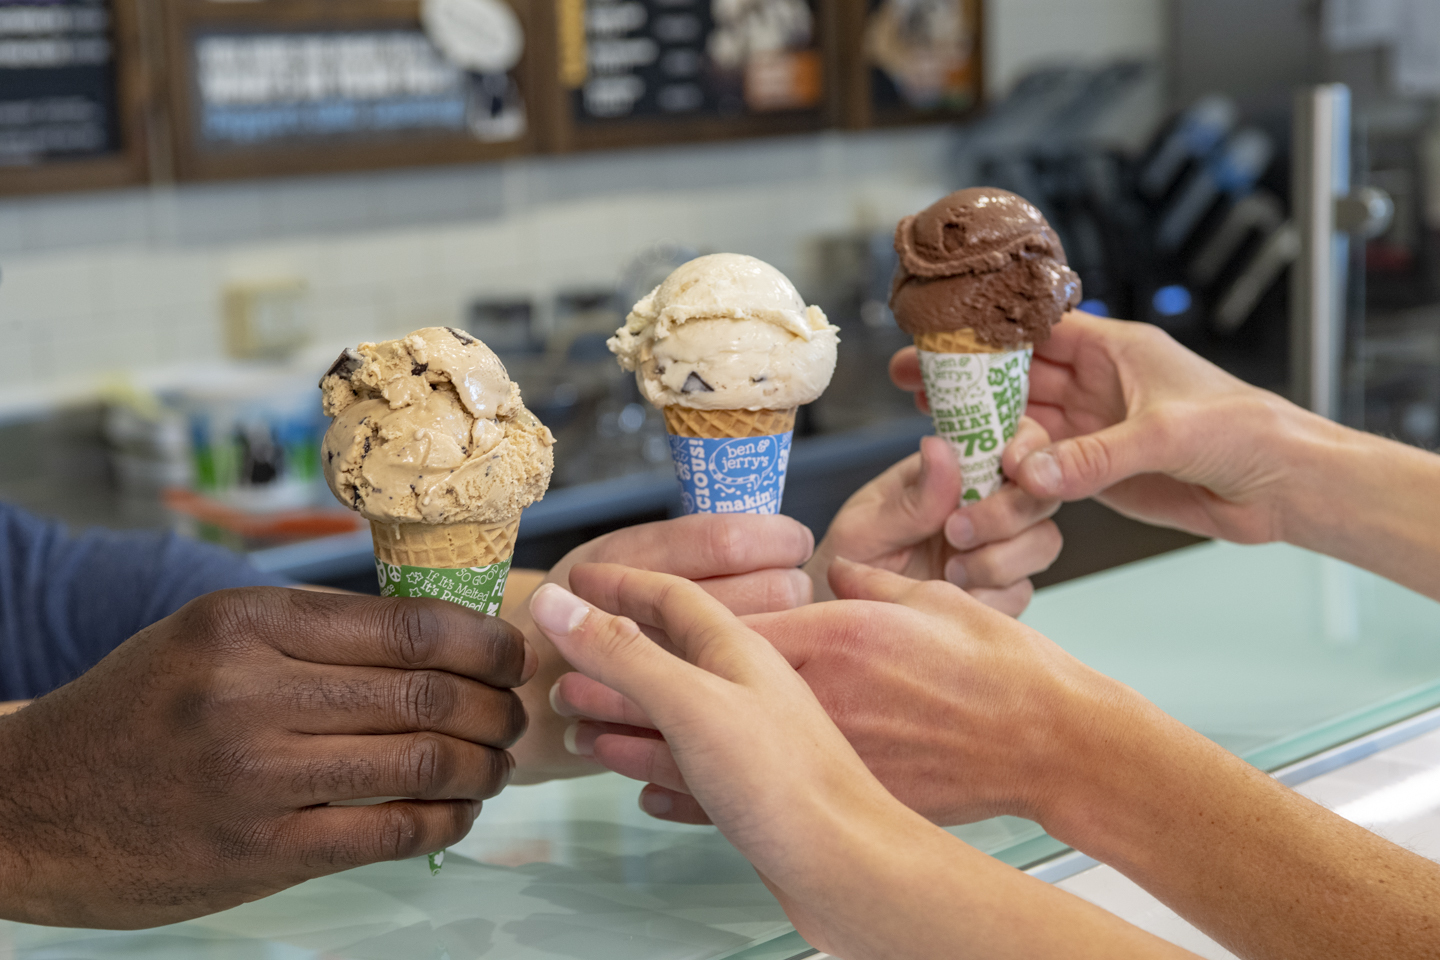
(66, 600)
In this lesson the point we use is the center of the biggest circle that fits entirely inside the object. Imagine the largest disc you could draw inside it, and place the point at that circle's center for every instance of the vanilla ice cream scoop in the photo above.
(430, 429)
(727, 332)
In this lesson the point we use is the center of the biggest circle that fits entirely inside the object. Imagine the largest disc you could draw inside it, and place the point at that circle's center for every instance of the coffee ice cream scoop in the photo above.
(430, 429)
(727, 332)
(982, 259)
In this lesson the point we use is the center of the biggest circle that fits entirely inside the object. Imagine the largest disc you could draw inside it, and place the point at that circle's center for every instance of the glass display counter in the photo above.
(1271, 651)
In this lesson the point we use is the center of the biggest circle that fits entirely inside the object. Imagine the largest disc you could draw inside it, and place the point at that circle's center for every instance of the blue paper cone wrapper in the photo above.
(733, 475)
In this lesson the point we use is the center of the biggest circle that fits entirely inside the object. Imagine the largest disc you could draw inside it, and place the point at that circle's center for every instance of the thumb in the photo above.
(1083, 466)
(611, 650)
(928, 494)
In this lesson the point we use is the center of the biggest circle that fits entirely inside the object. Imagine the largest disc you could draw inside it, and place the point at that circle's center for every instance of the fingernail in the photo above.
(655, 803)
(960, 530)
(532, 661)
(573, 743)
(956, 573)
(557, 611)
(555, 698)
(1045, 473)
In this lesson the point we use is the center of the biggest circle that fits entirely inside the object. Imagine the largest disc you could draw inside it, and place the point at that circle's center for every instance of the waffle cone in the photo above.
(720, 424)
(958, 341)
(444, 545)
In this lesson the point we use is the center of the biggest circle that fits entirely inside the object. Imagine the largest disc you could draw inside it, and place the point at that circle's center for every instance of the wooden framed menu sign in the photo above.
(911, 61)
(650, 71)
(71, 95)
(299, 86)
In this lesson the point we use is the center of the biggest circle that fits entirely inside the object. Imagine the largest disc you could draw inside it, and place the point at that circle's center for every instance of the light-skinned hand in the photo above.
(856, 872)
(906, 520)
(748, 563)
(189, 771)
(1164, 436)
(1150, 429)
(961, 712)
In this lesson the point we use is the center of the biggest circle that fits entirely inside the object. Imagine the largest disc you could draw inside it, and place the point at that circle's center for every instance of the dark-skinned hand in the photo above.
(191, 769)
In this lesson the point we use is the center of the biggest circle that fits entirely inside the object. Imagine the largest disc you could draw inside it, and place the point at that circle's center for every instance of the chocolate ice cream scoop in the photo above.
(981, 259)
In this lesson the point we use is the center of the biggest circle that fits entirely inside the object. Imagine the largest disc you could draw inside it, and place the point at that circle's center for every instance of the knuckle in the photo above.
(399, 832)
(499, 765)
(413, 631)
(246, 839)
(725, 544)
(1089, 457)
(229, 765)
(1053, 540)
(502, 650)
(654, 767)
(1150, 336)
(225, 619)
(514, 721)
(427, 699)
(428, 765)
(1168, 419)
(1006, 515)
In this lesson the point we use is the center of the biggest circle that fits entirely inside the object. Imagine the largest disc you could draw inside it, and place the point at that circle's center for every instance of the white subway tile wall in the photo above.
(130, 282)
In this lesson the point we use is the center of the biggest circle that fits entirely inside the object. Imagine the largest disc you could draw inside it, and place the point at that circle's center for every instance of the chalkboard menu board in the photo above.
(272, 86)
(57, 81)
(912, 60)
(62, 122)
(659, 70)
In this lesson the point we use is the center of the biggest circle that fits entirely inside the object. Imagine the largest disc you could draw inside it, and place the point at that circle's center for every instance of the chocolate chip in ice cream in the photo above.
(345, 365)
(983, 259)
(694, 383)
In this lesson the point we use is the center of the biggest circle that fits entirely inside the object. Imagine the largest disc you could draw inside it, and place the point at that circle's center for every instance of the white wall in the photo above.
(129, 282)
(1023, 34)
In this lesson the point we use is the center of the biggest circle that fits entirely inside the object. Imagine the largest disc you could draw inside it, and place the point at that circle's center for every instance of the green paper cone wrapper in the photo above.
(977, 395)
(465, 563)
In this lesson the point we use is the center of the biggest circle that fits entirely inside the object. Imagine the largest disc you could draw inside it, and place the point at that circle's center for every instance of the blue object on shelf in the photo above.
(1171, 301)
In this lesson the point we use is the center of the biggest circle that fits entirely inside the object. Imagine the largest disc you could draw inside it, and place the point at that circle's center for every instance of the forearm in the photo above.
(1365, 500)
(1259, 868)
(916, 891)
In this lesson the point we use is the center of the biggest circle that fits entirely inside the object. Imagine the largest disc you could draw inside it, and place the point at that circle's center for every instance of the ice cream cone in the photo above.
(954, 341)
(730, 461)
(465, 563)
(687, 422)
(444, 544)
(977, 393)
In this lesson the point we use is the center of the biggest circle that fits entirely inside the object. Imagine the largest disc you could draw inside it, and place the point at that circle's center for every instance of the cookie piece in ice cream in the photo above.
(983, 259)
(430, 428)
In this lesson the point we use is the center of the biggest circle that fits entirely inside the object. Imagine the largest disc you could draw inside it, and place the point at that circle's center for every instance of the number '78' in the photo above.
(984, 438)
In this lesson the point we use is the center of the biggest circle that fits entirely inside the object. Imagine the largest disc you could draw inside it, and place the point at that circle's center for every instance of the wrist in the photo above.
(14, 844)
(1129, 774)
(1107, 743)
(1364, 499)
(1315, 454)
(860, 876)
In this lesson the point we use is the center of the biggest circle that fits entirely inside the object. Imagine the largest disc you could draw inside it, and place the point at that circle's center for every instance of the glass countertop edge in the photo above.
(787, 946)
(1345, 728)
